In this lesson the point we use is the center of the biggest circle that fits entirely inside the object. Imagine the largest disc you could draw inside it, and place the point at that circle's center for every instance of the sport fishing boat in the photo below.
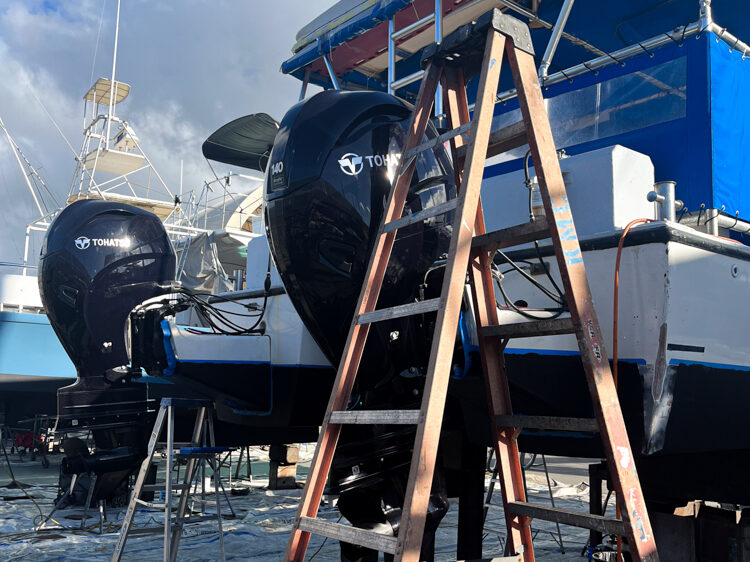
(125, 237)
(33, 364)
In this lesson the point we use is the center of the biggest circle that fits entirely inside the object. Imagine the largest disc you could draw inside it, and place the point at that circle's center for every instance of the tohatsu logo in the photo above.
(84, 242)
(352, 164)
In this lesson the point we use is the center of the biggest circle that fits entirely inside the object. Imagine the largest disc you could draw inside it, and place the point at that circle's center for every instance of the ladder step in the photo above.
(502, 140)
(384, 417)
(605, 525)
(352, 535)
(201, 451)
(512, 236)
(437, 141)
(532, 328)
(548, 422)
(160, 486)
(421, 215)
(411, 309)
(152, 505)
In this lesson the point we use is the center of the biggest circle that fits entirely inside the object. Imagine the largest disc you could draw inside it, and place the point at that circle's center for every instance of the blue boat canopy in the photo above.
(353, 34)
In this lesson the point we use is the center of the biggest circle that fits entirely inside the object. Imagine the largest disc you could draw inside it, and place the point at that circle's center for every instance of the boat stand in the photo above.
(202, 450)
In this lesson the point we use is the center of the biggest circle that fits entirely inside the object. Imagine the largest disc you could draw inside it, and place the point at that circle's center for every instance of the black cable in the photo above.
(525, 312)
(556, 298)
(323, 543)
(208, 312)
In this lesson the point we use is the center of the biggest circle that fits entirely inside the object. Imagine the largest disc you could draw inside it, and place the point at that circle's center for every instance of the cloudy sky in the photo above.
(193, 65)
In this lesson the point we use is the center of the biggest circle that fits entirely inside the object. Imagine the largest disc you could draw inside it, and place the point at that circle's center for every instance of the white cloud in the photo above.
(193, 66)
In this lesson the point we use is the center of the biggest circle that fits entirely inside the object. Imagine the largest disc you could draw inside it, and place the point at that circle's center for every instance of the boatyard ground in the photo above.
(264, 518)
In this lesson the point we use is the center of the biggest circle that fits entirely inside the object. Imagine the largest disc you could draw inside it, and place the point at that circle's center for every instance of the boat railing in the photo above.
(602, 59)
(15, 265)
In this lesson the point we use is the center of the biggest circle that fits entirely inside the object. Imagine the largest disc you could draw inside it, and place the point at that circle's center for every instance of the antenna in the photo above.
(113, 86)
(31, 170)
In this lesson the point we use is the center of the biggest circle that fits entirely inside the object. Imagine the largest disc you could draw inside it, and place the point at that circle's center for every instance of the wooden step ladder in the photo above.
(202, 450)
(482, 45)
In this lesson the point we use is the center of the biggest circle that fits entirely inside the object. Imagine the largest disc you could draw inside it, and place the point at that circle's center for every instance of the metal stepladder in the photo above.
(489, 39)
(197, 453)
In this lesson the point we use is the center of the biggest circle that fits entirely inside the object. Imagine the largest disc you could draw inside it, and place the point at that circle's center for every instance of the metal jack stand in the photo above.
(198, 454)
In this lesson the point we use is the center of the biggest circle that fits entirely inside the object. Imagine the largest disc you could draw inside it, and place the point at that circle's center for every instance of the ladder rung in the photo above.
(421, 215)
(406, 80)
(196, 499)
(502, 140)
(352, 535)
(385, 417)
(512, 236)
(438, 140)
(152, 505)
(161, 486)
(532, 328)
(396, 35)
(411, 309)
(548, 422)
(605, 525)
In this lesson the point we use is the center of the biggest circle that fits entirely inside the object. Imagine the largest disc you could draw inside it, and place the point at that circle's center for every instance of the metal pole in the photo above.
(438, 39)
(14, 148)
(331, 73)
(391, 56)
(554, 40)
(305, 82)
(707, 18)
(168, 484)
(112, 85)
(734, 42)
(26, 249)
(619, 55)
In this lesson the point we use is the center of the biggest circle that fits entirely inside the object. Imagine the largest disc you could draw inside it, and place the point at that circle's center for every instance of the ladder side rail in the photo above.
(590, 341)
(216, 467)
(485, 313)
(123, 536)
(438, 372)
(168, 483)
(342, 387)
(185, 493)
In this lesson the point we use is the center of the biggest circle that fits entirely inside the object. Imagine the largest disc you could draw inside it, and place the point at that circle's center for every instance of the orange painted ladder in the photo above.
(487, 41)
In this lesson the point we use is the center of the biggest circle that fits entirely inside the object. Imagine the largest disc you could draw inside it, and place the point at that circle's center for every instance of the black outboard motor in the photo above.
(328, 179)
(327, 182)
(99, 260)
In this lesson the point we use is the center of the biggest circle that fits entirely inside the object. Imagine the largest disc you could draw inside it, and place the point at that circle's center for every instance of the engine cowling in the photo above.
(329, 175)
(100, 259)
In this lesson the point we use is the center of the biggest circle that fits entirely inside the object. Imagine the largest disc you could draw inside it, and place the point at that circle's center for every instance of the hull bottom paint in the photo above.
(690, 438)
(24, 396)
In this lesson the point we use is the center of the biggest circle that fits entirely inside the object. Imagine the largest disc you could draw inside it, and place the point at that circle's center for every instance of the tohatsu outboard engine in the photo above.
(328, 179)
(99, 260)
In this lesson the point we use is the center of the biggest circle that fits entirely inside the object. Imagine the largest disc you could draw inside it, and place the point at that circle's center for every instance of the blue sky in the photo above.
(193, 66)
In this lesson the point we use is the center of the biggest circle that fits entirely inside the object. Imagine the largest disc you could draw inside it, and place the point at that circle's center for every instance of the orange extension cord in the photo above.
(631, 224)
